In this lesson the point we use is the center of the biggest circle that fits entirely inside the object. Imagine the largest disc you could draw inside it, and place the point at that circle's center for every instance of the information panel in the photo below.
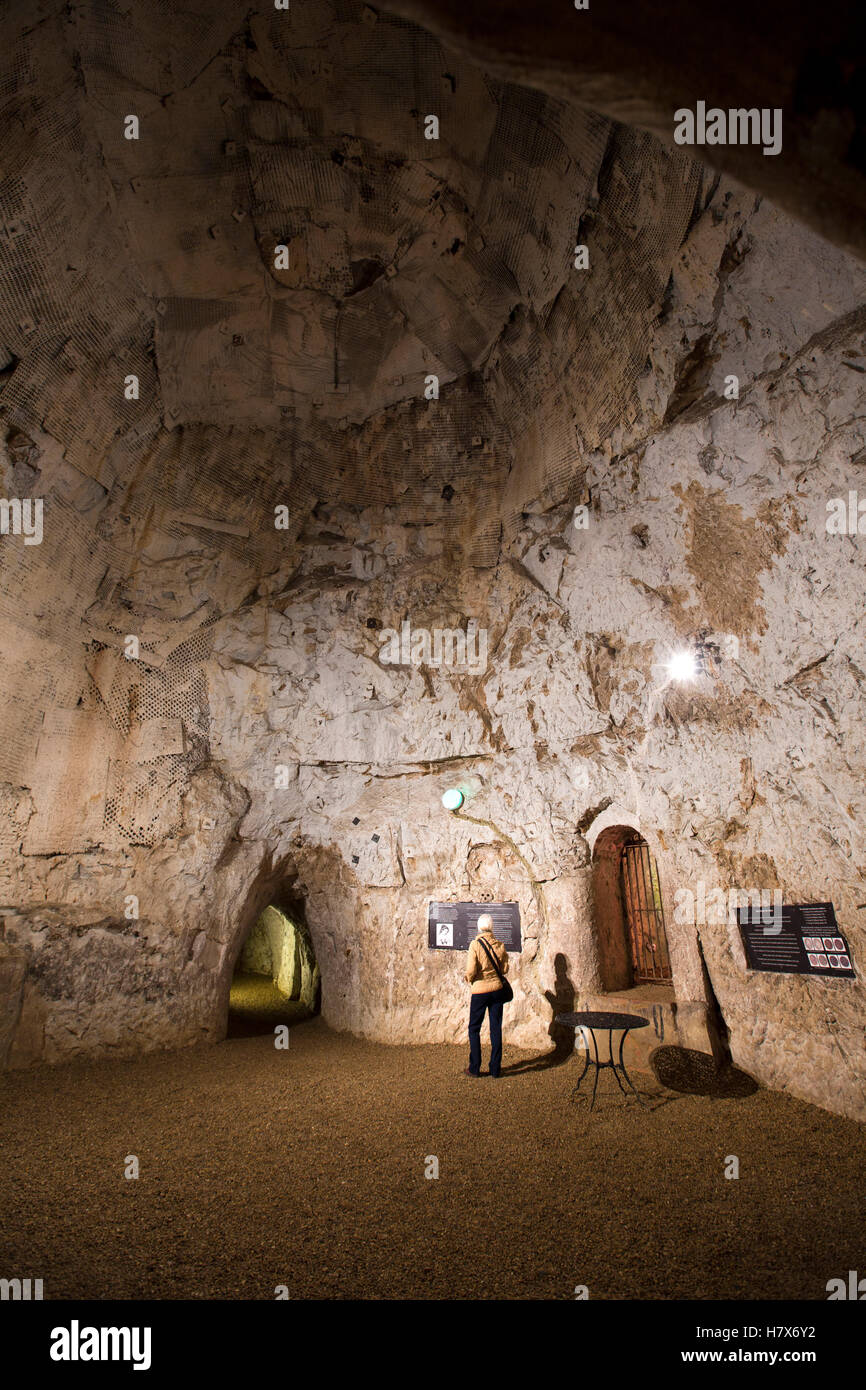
(807, 941)
(453, 926)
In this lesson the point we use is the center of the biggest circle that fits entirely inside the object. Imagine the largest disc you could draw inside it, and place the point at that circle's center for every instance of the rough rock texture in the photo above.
(155, 804)
(624, 60)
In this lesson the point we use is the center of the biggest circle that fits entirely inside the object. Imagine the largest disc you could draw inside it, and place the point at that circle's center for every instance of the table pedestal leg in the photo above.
(576, 1088)
(636, 1093)
(586, 1063)
(615, 1066)
(597, 1070)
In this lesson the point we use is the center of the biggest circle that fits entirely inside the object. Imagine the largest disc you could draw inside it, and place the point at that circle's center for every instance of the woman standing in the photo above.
(488, 993)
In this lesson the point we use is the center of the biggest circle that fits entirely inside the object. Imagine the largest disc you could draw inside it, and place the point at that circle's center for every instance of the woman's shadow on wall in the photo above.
(561, 1000)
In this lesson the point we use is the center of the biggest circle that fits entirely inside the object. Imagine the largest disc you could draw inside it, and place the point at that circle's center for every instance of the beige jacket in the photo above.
(479, 971)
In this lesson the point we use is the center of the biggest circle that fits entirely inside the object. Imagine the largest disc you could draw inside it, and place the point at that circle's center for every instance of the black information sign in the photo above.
(453, 926)
(806, 941)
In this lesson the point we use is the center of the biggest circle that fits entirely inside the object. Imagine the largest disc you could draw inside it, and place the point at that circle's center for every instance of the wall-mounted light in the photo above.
(452, 800)
(683, 666)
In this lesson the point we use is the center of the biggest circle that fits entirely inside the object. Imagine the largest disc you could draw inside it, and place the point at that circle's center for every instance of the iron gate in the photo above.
(642, 900)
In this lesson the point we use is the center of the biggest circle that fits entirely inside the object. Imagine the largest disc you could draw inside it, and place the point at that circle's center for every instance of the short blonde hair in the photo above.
(485, 922)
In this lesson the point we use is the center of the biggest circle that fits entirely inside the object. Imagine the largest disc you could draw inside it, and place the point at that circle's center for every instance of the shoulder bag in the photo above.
(508, 992)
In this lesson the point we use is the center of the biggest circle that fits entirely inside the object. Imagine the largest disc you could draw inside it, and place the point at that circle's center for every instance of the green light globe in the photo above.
(452, 800)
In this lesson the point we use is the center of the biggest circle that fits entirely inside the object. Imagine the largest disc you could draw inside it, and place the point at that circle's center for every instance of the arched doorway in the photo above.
(276, 977)
(644, 913)
(629, 912)
(633, 963)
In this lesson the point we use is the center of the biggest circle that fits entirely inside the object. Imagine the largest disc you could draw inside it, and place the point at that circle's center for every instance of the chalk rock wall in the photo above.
(712, 522)
(325, 765)
(635, 461)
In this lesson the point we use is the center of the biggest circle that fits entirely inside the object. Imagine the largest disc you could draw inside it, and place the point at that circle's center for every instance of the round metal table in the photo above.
(609, 1023)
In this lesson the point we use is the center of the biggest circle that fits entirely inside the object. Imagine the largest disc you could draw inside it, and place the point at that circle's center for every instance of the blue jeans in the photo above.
(478, 1005)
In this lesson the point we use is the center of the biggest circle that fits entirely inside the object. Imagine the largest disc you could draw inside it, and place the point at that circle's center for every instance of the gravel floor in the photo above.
(257, 1006)
(307, 1168)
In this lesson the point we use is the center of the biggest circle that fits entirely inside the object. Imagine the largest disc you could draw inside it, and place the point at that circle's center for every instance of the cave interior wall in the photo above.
(153, 806)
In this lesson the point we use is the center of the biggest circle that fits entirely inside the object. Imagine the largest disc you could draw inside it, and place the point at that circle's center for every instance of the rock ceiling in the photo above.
(407, 257)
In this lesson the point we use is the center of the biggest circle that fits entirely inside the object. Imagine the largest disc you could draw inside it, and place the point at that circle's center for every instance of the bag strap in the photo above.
(491, 958)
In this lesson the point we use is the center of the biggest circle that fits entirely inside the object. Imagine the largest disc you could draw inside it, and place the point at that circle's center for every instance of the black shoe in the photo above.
(494, 1074)
(469, 1072)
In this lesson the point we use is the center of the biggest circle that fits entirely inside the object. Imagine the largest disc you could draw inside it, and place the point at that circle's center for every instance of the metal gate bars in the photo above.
(642, 900)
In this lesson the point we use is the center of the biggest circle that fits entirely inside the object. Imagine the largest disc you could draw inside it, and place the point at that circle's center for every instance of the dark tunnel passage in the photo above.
(276, 977)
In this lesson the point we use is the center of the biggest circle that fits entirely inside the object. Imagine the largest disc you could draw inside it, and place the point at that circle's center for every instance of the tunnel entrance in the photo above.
(629, 913)
(276, 977)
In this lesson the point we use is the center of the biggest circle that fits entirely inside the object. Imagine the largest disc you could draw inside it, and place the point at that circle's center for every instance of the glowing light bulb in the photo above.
(682, 666)
(452, 800)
